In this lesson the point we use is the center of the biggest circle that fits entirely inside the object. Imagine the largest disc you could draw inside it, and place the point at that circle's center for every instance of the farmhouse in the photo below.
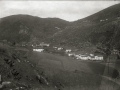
(68, 50)
(60, 48)
(71, 54)
(84, 57)
(99, 57)
(77, 56)
(38, 50)
(89, 57)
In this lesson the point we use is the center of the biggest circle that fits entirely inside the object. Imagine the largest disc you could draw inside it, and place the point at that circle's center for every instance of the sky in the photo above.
(67, 10)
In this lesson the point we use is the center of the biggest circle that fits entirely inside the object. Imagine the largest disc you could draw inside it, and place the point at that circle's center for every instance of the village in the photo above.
(68, 52)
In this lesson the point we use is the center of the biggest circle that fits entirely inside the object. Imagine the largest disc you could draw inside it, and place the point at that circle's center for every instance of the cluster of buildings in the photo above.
(70, 53)
(80, 56)
(39, 47)
(89, 57)
(86, 57)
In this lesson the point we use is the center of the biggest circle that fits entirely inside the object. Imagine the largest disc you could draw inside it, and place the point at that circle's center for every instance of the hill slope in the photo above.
(99, 28)
(46, 71)
(20, 28)
(87, 32)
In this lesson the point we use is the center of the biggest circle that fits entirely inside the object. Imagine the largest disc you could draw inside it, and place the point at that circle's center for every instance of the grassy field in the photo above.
(62, 72)
(70, 74)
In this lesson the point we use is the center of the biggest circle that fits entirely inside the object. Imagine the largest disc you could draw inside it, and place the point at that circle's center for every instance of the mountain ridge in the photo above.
(90, 31)
(34, 27)
(94, 29)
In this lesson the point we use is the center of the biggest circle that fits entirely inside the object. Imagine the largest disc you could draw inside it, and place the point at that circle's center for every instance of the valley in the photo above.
(54, 54)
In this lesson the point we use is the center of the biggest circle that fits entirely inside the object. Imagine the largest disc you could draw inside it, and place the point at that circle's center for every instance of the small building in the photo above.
(60, 48)
(38, 50)
(68, 50)
(71, 54)
(99, 57)
(84, 57)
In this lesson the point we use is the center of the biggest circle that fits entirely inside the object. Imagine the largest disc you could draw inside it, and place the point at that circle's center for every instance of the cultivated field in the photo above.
(69, 74)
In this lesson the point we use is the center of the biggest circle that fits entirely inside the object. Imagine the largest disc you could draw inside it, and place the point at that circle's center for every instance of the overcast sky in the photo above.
(67, 10)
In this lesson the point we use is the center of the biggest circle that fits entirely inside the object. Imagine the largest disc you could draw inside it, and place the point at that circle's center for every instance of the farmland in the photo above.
(71, 73)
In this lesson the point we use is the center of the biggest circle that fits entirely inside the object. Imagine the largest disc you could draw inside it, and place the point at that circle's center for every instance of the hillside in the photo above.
(26, 28)
(97, 29)
(46, 71)
(109, 13)
(88, 32)
(22, 67)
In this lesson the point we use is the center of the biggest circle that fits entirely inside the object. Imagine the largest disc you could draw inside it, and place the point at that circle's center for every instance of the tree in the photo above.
(107, 47)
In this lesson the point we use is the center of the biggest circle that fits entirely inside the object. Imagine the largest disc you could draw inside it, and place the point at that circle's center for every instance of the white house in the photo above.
(38, 50)
(71, 54)
(82, 57)
(77, 56)
(89, 57)
(68, 50)
(60, 48)
(98, 57)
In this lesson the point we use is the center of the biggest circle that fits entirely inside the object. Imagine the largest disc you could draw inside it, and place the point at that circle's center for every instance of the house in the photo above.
(38, 50)
(60, 48)
(84, 57)
(77, 56)
(99, 57)
(71, 54)
(68, 50)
